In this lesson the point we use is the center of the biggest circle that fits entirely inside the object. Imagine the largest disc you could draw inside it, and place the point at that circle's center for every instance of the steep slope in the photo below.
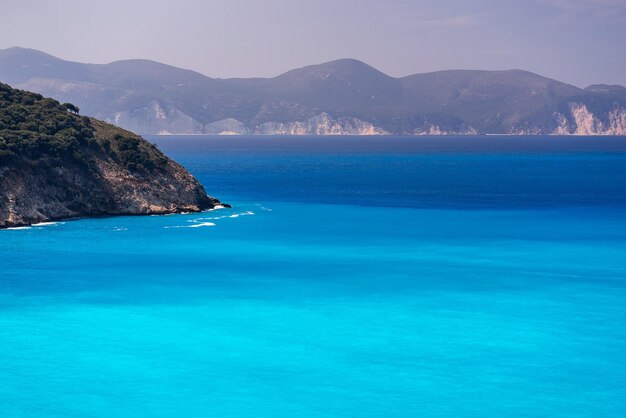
(55, 164)
(339, 97)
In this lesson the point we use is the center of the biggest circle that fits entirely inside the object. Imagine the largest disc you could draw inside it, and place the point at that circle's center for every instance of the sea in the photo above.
(353, 277)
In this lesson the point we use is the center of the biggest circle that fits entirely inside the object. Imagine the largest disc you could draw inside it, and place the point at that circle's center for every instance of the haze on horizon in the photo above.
(576, 41)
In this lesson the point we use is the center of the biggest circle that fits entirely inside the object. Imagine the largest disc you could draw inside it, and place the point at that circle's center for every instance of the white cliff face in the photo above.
(322, 124)
(156, 118)
(227, 127)
(164, 119)
(583, 122)
(526, 132)
(432, 129)
(562, 125)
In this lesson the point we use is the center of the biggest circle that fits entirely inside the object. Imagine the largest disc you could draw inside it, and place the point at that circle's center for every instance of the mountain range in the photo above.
(340, 97)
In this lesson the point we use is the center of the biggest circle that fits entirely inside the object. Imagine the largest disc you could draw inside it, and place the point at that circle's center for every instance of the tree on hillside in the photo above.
(72, 108)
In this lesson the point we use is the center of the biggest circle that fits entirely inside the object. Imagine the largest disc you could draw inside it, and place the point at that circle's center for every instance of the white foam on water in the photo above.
(196, 225)
(236, 215)
(201, 222)
(264, 208)
(39, 225)
(119, 228)
(201, 225)
(46, 224)
(215, 218)
(212, 218)
(214, 208)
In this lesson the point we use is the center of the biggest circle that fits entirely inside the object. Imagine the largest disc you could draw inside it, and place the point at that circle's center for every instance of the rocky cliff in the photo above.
(55, 165)
(574, 119)
(580, 121)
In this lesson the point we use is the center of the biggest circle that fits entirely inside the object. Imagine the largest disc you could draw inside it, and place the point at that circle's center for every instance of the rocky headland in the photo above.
(55, 164)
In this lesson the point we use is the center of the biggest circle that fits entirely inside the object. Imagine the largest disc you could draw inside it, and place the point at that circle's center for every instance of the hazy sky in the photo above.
(578, 41)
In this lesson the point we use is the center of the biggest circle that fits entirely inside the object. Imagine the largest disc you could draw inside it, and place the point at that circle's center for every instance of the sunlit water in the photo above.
(354, 277)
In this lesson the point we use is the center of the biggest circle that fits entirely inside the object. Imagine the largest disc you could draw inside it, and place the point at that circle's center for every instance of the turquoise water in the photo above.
(385, 277)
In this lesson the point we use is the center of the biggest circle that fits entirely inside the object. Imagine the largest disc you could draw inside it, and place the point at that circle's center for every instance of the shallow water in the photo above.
(368, 277)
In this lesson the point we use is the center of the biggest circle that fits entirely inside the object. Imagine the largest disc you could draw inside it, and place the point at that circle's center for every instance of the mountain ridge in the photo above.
(154, 98)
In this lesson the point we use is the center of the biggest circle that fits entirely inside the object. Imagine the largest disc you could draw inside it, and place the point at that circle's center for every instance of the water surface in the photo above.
(354, 277)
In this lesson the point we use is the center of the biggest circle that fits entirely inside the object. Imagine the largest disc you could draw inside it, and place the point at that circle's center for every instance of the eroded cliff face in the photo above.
(162, 120)
(321, 124)
(580, 121)
(227, 127)
(433, 129)
(33, 191)
(156, 118)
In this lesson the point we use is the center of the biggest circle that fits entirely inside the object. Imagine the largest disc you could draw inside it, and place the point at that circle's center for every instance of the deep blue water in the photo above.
(354, 277)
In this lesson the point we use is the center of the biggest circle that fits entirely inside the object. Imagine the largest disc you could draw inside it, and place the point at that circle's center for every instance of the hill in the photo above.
(55, 164)
(340, 97)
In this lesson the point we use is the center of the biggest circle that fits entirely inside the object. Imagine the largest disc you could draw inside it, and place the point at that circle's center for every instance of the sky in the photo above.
(581, 42)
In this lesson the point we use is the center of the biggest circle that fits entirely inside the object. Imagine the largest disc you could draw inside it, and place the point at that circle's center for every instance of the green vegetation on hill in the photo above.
(34, 127)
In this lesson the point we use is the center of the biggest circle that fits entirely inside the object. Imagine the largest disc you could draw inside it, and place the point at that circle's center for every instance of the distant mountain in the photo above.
(339, 97)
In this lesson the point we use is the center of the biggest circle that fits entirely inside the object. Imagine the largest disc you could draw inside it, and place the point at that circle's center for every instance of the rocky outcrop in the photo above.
(33, 192)
(227, 127)
(174, 121)
(581, 121)
(69, 166)
(432, 129)
(321, 124)
(156, 117)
